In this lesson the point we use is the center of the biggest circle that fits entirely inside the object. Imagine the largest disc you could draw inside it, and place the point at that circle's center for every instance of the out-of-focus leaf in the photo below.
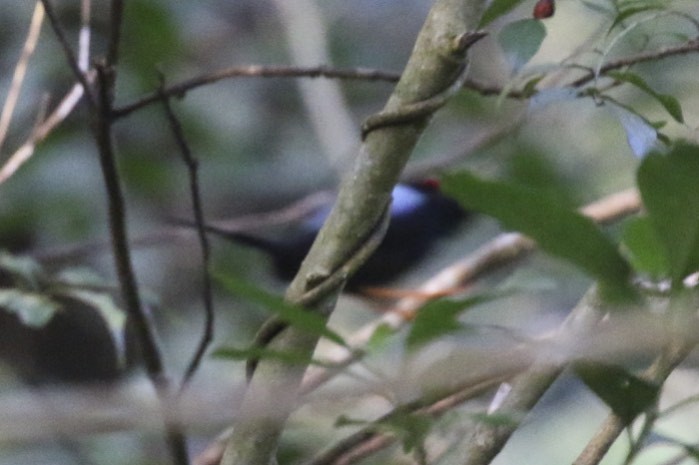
(496, 9)
(533, 168)
(557, 229)
(32, 309)
(380, 337)
(640, 134)
(597, 7)
(643, 248)
(81, 277)
(670, 192)
(627, 395)
(293, 314)
(113, 316)
(438, 318)
(630, 8)
(152, 40)
(344, 421)
(261, 353)
(521, 40)
(670, 103)
(25, 269)
(410, 427)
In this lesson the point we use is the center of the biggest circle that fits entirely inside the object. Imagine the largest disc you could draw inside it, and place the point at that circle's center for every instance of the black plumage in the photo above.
(420, 216)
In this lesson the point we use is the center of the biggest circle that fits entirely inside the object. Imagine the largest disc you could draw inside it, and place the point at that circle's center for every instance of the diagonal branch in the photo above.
(71, 59)
(21, 70)
(438, 60)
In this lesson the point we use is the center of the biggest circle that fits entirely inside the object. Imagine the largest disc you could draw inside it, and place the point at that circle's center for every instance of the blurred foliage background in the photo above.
(259, 151)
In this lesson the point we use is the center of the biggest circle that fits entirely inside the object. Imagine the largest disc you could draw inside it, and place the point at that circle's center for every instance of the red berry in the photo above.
(544, 9)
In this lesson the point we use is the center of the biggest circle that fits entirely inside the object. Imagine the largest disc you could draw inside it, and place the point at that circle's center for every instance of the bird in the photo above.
(420, 215)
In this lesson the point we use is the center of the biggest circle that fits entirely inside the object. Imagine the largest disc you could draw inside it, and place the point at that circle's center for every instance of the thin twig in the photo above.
(690, 46)
(371, 439)
(192, 165)
(102, 121)
(255, 71)
(614, 425)
(366, 74)
(71, 59)
(21, 70)
(64, 108)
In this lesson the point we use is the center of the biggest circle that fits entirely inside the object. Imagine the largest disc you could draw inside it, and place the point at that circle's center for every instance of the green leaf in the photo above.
(32, 309)
(521, 40)
(380, 337)
(627, 395)
(438, 318)
(412, 428)
(670, 103)
(260, 353)
(496, 9)
(670, 193)
(644, 249)
(557, 229)
(293, 314)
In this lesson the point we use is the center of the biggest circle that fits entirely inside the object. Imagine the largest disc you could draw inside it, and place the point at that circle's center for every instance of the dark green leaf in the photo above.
(411, 428)
(438, 318)
(293, 314)
(692, 451)
(668, 185)
(627, 395)
(496, 9)
(156, 36)
(670, 103)
(32, 309)
(643, 248)
(344, 421)
(557, 229)
(521, 40)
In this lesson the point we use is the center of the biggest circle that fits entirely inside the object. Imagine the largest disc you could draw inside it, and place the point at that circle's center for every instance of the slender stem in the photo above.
(192, 165)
